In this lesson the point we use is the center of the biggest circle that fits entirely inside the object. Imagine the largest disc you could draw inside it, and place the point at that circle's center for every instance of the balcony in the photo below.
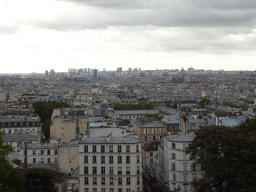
(128, 172)
(119, 172)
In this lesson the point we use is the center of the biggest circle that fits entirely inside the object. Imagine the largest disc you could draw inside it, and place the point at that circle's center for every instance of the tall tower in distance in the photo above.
(95, 73)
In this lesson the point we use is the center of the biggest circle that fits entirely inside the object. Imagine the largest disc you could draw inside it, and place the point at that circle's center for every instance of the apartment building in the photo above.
(176, 168)
(110, 164)
(149, 129)
(45, 153)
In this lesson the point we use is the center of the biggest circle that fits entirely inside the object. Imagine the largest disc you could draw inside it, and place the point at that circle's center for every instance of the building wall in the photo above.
(134, 165)
(68, 158)
(66, 128)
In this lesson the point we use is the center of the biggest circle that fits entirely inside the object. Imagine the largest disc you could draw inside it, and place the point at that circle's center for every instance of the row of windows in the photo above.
(9, 130)
(43, 151)
(111, 170)
(42, 160)
(185, 177)
(111, 181)
(103, 148)
(110, 190)
(154, 131)
(110, 159)
(185, 167)
(146, 138)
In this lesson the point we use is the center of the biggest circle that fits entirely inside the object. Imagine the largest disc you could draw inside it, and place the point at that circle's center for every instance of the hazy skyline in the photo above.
(39, 35)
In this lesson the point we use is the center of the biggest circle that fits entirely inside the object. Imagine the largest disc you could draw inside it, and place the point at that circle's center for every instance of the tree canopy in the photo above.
(174, 105)
(45, 112)
(203, 102)
(154, 115)
(227, 155)
(131, 106)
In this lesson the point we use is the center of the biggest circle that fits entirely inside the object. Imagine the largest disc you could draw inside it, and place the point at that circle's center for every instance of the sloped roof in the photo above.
(151, 146)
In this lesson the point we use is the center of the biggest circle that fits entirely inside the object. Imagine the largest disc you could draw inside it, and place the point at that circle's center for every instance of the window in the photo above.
(48, 152)
(119, 170)
(94, 159)
(173, 167)
(138, 180)
(85, 148)
(110, 159)
(42, 152)
(185, 167)
(111, 181)
(162, 131)
(138, 169)
(94, 189)
(137, 148)
(55, 152)
(127, 148)
(127, 159)
(193, 167)
(85, 159)
(48, 160)
(119, 189)
(138, 158)
(119, 159)
(111, 170)
(151, 154)
(34, 152)
(103, 190)
(56, 160)
(145, 131)
(151, 160)
(185, 177)
(86, 170)
(103, 180)
(94, 148)
(174, 177)
(102, 148)
(185, 188)
(119, 180)
(86, 181)
(194, 176)
(119, 148)
(94, 180)
(110, 148)
(34, 160)
(102, 159)
(128, 170)
(128, 180)
(173, 146)
(128, 190)
(103, 170)
(94, 170)
(145, 138)
(154, 130)
(86, 189)
(173, 155)
(111, 190)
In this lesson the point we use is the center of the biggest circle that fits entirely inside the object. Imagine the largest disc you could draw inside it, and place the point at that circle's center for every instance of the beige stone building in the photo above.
(69, 157)
(149, 129)
(68, 127)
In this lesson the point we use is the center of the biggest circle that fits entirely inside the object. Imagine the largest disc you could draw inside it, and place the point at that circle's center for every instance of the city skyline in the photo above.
(40, 35)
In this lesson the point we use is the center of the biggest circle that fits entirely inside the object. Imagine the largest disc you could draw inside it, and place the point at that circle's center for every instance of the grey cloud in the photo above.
(8, 30)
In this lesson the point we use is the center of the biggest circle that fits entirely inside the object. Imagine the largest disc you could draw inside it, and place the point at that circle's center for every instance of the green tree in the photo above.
(227, 156)
(154, 115)
(39, 180)
(10, 179)
(203, 102)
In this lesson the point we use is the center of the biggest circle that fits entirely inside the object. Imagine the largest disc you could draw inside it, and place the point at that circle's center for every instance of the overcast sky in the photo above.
(39, 35)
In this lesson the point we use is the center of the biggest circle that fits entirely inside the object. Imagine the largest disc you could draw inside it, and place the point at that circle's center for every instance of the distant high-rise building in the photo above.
(95, 73)
(119, 69)
(46, 73)
(52, 73)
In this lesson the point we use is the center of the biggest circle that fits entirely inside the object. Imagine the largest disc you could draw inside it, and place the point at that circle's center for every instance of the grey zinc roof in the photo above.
(182, 138)
(136, 112)
(18, 137)
(40, 146)
(114, 140)
(151, 124)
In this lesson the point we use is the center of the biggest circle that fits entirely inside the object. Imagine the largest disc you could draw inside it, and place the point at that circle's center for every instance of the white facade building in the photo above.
(110, 164)
(177, 170)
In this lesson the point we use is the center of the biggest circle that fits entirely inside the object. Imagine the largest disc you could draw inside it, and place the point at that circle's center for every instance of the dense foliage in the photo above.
(131, 106)
(233, 105)
(45, 112)
(154, 115)
(174, 105)
(203, 102)
(228, 157)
